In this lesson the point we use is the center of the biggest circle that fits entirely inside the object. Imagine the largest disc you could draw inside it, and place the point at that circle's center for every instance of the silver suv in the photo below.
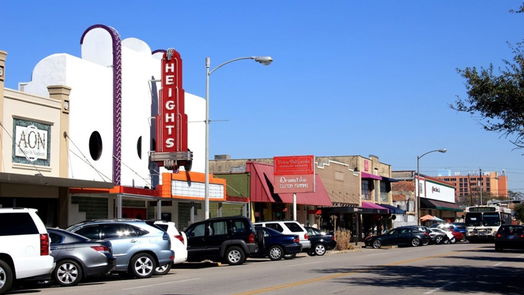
(138, 247)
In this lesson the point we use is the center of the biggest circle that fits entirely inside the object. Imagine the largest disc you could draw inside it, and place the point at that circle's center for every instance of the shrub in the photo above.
(343, 237)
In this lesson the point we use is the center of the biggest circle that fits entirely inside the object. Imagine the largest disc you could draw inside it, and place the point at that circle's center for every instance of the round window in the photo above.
(95, 145)
(139, 147)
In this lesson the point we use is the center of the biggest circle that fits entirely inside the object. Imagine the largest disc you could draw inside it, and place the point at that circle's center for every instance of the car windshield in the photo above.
(474, 219)
(491, 219)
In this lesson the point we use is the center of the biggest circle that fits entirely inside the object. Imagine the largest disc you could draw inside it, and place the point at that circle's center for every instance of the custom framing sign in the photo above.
(294, 174)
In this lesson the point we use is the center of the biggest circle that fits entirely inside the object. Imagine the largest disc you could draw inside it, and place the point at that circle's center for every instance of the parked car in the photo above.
(137, 246)
(227, 239)
(77, 257)
(440, 236)
(275, 244)
(24, 246)
(405, 235)
(178, 242)
(320, 241)
(289, 228)
(509, 237)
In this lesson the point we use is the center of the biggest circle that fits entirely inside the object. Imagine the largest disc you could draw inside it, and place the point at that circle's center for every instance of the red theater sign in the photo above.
(171, 134)
(294, 174)
(172, 127)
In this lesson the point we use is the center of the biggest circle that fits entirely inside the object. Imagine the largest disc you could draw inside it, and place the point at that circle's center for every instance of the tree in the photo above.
(519, 212)
(497, 96)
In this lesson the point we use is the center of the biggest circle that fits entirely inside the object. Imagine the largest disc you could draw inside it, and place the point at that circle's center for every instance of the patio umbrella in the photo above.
(427, 217)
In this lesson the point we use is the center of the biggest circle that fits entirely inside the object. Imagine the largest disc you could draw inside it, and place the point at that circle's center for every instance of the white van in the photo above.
(24, 246)
(289, 228)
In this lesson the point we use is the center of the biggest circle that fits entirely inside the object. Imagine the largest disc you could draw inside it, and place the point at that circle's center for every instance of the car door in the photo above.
(196, 241)
(390, 238)
(405, 235)
(217, 233)
(123, 241)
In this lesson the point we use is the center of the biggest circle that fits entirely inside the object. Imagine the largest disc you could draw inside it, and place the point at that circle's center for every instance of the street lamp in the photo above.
(417, 182)
(265, 60)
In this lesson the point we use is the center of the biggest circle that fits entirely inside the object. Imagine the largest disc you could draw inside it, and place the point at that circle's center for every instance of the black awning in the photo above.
(390, 179)
(393, 209)
(51, 181)
(439, 205)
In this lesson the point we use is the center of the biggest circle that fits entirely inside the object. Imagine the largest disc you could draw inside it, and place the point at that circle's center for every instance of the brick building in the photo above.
(468, 188)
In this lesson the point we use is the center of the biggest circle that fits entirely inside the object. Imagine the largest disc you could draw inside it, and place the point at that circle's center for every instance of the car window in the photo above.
(117, 231)
(404, 231)
(313, 231)
(239, 226)
(55, 238)
(217, 228)
(17, 224)
(294, 227)
(90, 232)
(275, 226)
(392, 232)
(162, 226)
(198, 230)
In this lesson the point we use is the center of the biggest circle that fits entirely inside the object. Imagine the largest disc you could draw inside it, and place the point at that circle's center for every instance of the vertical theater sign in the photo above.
(171, 138)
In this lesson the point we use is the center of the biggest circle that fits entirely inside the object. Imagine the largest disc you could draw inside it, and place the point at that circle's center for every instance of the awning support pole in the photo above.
(159, 210)
(118, 206)
(294, 206)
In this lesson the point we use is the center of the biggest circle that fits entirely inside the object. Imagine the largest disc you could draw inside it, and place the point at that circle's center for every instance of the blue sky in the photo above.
(349, 77)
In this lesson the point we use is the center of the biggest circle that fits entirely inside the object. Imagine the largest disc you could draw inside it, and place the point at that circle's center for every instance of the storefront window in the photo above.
(367, 188)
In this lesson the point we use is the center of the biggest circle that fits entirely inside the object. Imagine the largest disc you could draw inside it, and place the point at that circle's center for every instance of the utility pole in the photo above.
(480, 185)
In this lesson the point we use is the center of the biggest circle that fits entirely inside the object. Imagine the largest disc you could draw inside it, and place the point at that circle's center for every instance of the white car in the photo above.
(24, 246)
(178, 240)
(289, 228)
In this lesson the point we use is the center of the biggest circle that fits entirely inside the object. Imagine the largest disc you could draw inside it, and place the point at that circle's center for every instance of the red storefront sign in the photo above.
(294, 174)
(172, 120)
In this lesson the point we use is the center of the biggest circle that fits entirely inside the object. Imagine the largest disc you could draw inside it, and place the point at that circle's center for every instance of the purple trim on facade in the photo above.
(158, 50)
(117, 98)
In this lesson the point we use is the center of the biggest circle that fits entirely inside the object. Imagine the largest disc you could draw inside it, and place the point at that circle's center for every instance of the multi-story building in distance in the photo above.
(490, 184)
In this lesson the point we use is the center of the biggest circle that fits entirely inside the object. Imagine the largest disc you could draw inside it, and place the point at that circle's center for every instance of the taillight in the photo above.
(44, 244)
(426, 233)
(296, 240)
(100, 248)
(522, 236)
(500, 236)
(251, 238)
(180, 238)
(306, 237)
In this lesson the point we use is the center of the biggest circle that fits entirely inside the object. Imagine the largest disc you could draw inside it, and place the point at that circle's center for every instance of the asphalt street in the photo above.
(443, 269)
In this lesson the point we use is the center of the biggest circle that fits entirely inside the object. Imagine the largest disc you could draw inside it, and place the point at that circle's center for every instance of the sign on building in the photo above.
(294, 174)
(171, 138)
(31, 142)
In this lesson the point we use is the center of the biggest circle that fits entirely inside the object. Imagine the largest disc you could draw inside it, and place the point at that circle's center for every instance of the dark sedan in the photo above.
(320, 241)
(509, 237)
(276, 245)
(77, 257)
(405, 235)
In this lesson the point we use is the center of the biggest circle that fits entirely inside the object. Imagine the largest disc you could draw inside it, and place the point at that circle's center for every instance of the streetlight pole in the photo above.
(265, 60)
(417, 182)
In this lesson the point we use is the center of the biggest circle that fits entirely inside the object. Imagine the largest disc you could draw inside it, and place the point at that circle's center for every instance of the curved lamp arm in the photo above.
(265, 60)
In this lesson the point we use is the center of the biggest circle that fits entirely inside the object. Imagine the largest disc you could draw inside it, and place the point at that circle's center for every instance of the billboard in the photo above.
(294, 174)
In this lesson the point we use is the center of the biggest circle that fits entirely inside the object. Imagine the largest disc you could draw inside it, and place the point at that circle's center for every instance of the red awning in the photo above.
(371, 205)
(262, 188)
(370, 176)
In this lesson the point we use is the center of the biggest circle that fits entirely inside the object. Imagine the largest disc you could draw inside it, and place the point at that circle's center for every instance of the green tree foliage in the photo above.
(519, 212)
(497, 96)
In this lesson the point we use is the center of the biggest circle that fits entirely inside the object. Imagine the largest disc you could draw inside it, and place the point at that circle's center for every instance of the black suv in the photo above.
(227, 239)
(509, 237)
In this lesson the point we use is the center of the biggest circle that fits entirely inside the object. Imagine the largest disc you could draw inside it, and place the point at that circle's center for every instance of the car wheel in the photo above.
(376, 244)
(320, 249)
(234, 255)
(67, 273)
(142, 265)
(438, 239)
(453, 240)
(424, 243)
(6, 277)
(163, 269)
(415, 242)
(275, 252)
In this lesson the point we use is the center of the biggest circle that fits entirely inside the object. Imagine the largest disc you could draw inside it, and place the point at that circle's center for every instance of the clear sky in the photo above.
(349, 77)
